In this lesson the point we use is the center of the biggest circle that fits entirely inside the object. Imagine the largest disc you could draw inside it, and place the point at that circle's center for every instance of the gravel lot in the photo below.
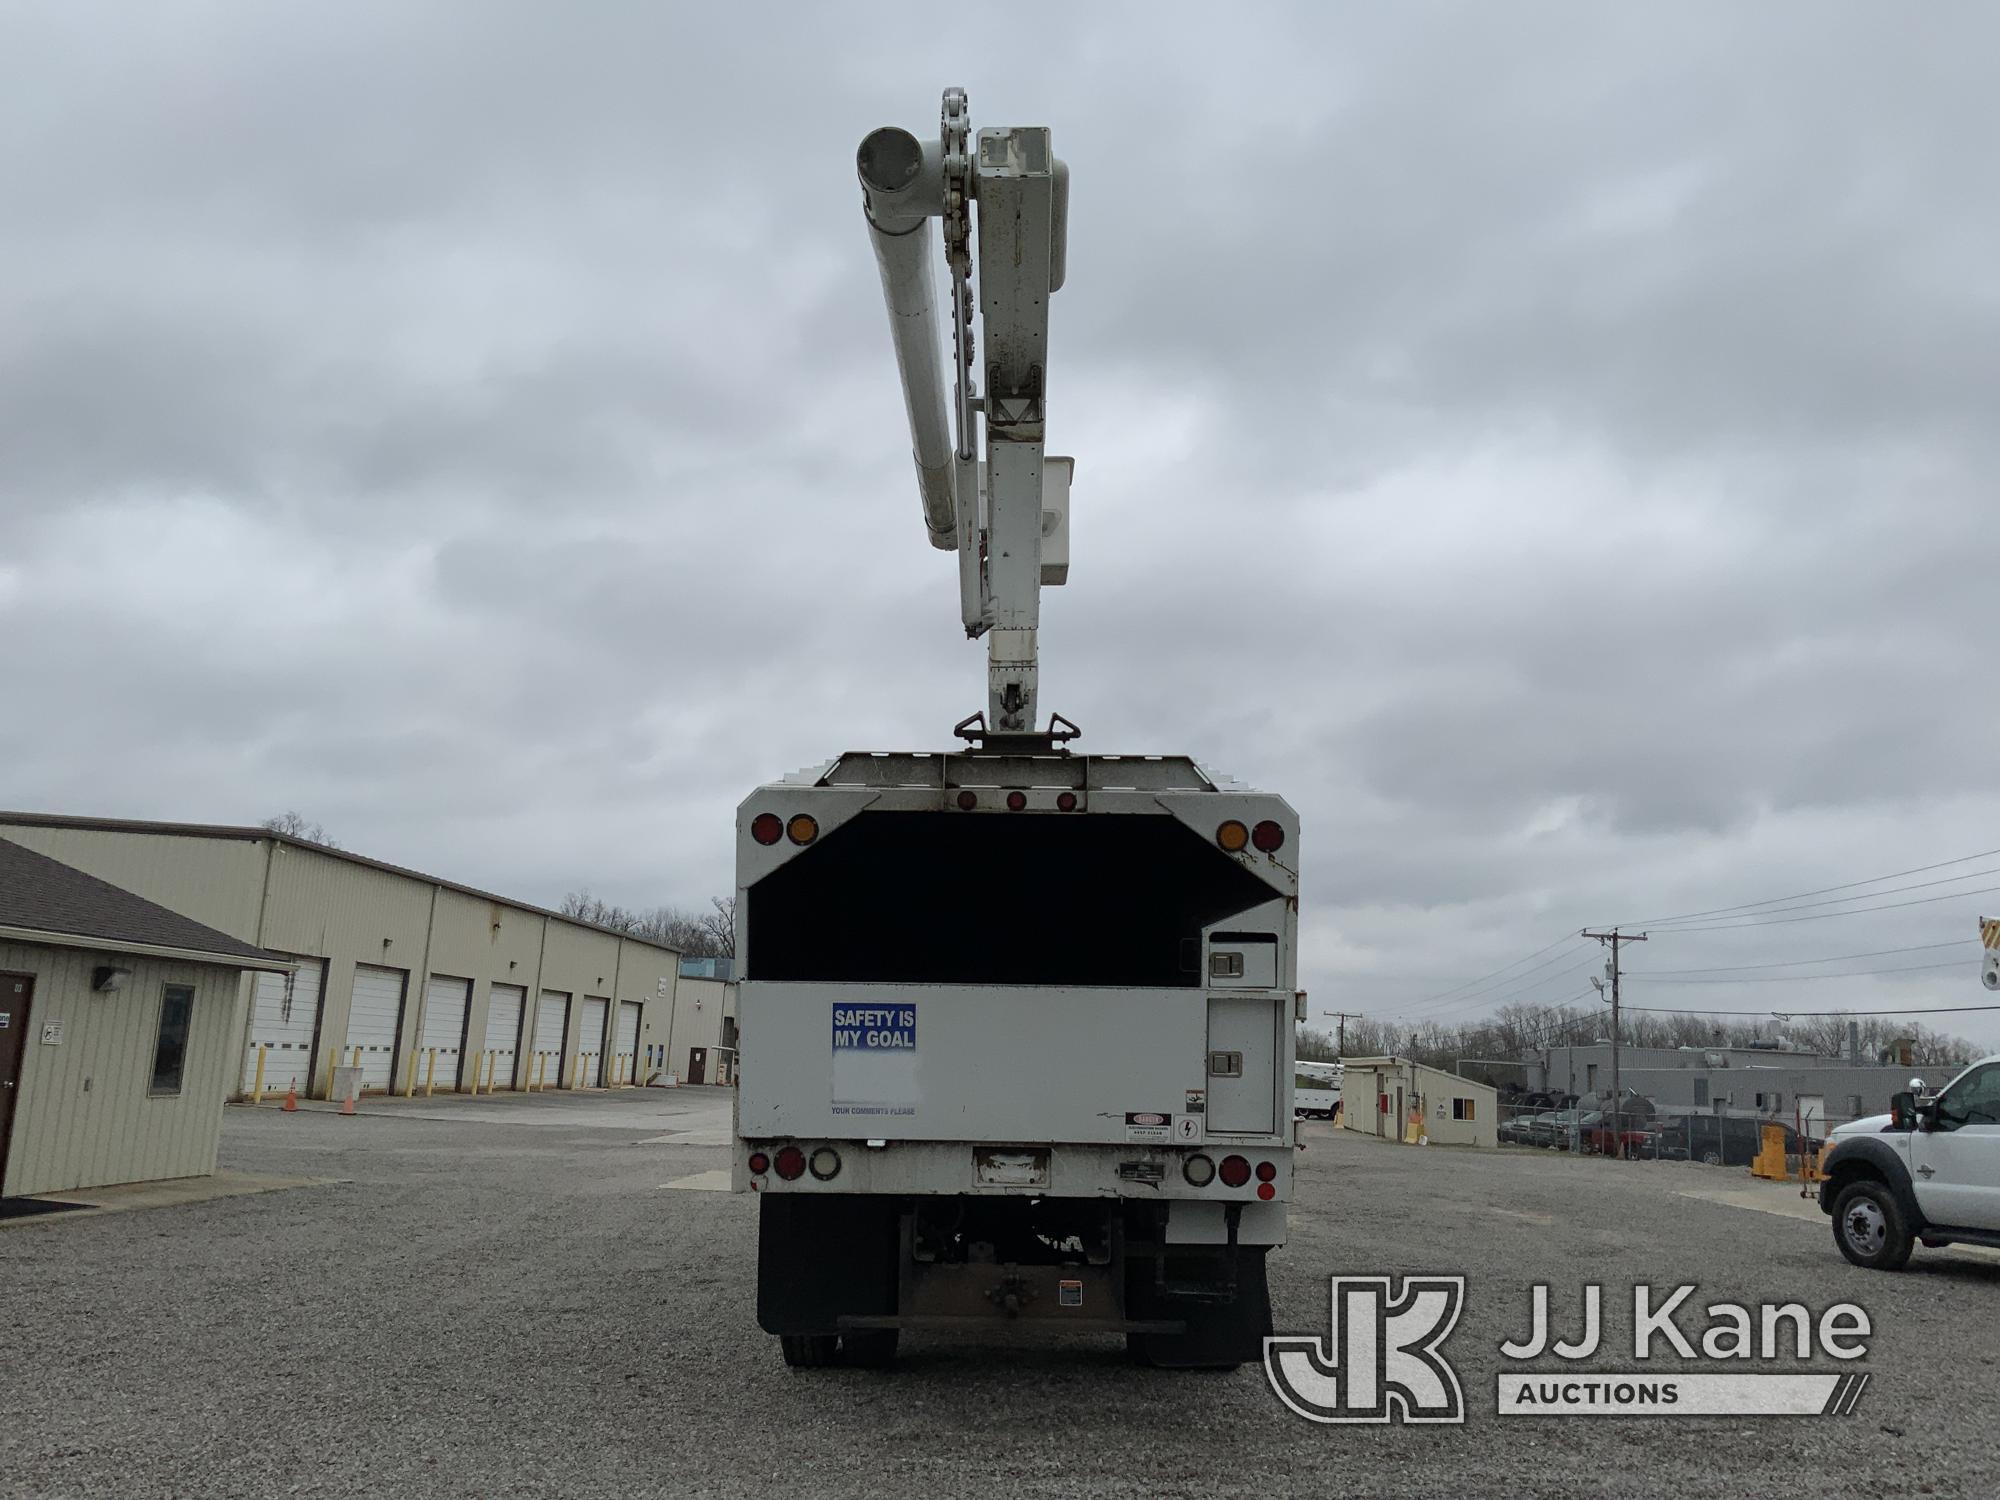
(499, 1298)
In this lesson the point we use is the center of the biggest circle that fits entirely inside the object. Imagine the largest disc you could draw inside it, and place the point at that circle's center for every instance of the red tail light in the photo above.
(759, 1164)
(767, 828)
(1066, 802)
(967, 801)
(1016, 801)
(1267, 1171)
(791, 1163)
(1235, 1170)
(1266, 1191)
(1268, 836)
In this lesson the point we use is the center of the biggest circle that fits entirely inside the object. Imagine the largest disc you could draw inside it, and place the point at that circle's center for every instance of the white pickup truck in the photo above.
(1927, 1172)
(1017, 1043)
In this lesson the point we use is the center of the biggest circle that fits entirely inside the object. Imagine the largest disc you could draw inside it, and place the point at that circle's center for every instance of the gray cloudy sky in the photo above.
(1553, 445)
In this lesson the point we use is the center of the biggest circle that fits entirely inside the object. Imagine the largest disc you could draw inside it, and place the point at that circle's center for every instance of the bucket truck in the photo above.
(1016, 1021)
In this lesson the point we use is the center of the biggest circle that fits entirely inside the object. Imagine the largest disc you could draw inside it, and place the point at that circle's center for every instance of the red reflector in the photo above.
(1267, 1171)
(1016, 801)
(1066, 802)
(1268, 836)
(1235, 1171)
(1266, 1191)
(791, 1163)
(967, 801)
(767, 828)
(759, 1164)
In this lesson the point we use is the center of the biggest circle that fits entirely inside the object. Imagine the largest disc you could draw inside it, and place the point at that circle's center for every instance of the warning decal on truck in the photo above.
(875, 1060)
(1144, 1125)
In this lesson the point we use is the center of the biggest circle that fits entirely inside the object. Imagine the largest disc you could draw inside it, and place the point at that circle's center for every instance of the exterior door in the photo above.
(284, 1025)
(551, 1021)
(374, 1022)
(697, 1063)
(1957, 1162)
(16, 991)
(504, 1005)
(589, 1071)
(445, 1002)
(626, 1054)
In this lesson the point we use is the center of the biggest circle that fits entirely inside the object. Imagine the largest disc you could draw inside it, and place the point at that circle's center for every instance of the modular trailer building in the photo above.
(429, 984)
(118, 1023)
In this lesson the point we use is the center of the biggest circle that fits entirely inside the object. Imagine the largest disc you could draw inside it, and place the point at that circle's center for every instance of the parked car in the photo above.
(1517, 1128)
(1723, 1140)
(1596, 1130)
(1553, 1129)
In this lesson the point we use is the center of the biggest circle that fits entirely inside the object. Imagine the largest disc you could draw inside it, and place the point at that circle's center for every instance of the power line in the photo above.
(1894, 890)
(1949, 963)
(1832, 958)
(1474, 983)
(1505, 993)
(1822, 916)
(1823, 890)
(1745, 1015)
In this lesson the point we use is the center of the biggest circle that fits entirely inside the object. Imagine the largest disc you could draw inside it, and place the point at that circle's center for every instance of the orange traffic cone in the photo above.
(347, 1108)
(292, 1096)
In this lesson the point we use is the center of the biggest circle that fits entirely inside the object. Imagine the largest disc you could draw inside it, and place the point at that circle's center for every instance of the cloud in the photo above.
(1552, 448)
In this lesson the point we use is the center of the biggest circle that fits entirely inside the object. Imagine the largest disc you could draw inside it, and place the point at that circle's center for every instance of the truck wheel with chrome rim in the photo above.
(1868, 1226)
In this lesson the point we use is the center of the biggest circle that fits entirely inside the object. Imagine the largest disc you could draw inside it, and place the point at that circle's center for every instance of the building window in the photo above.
(1854, 1106)
(1701, 1091)
(1461, 1109)
(1760, 1101)
(170, 1049)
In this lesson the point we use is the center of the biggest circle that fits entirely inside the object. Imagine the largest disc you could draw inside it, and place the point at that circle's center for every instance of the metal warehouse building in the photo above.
(118, 1031)
(429, 984)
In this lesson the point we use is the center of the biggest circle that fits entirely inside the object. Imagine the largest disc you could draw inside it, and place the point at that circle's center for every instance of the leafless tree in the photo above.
(295, 825)
(693, 934)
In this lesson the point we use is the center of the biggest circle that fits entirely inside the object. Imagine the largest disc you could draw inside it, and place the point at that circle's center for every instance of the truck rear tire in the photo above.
(809, 1351)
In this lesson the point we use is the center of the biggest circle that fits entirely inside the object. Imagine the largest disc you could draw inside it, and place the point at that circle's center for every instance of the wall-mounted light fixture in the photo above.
(105, 978)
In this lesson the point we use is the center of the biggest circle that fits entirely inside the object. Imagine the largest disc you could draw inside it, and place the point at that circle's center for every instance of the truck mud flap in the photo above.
(822, 1257)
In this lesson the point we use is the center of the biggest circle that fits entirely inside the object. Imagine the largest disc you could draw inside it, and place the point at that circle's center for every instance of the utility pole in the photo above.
(1340, 1019)
(1615, 940)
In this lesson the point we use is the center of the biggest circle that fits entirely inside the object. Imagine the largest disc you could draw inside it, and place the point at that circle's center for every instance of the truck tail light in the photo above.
(767, 828)
(825, 1164)
(1232, 836)
(791, 1163)
(1267, 1171)
(967, 801)
(1065, 801)
(758, 1164)
(1235, 1170)
(803, 828)
(1016, 801)
(1266, 1191)
(1268, 837)
(1199, 1170)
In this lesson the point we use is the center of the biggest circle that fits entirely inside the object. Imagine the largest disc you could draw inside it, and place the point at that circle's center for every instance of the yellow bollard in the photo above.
(541, 1064)
(257, 1088)
(430, 1072)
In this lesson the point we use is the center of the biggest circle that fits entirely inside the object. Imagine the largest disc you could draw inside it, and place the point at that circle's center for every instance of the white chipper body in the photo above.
(1016, 1022)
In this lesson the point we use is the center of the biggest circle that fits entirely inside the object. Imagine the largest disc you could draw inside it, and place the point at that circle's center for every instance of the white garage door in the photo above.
(374, 1022)
(627, 1052)
(503, 1033)
(590, 1045)
(445, 1001)
(551, 1021)
(284, 1014)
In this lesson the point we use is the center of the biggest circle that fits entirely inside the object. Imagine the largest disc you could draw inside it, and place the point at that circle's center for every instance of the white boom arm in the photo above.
(987, 489)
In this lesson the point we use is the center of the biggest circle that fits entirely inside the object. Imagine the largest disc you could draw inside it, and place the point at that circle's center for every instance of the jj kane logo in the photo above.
(1382, 1360)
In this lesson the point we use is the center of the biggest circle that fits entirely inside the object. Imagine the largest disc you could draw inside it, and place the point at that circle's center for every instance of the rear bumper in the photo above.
(1144, 1173)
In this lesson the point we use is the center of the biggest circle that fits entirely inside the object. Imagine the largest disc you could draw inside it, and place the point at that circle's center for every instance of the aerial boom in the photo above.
(987, 487)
